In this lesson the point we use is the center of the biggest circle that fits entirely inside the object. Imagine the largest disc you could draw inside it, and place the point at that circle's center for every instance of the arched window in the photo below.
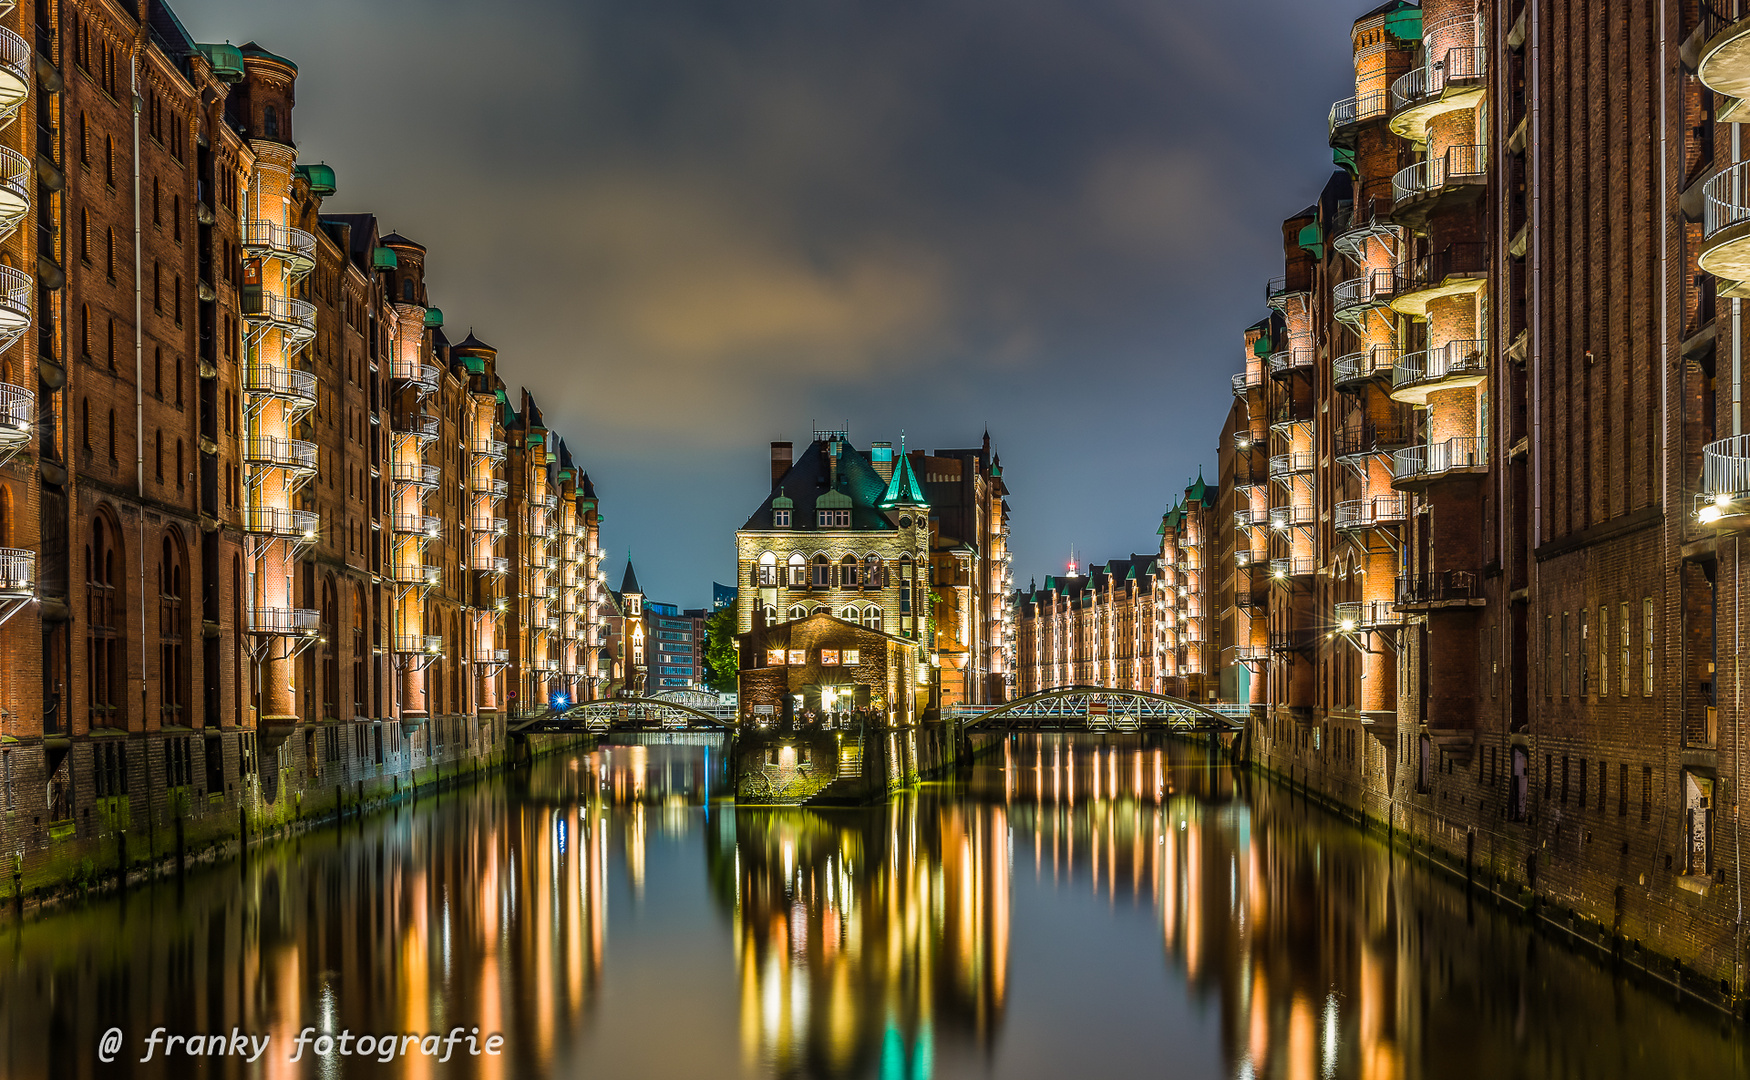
(905, 570)
(767, 574)
(454, 645)
(172, 633)
(848, 572)
(358, 652)
(822, 610)
(822, 572)
(85, 423)
(874, 573)
(407, 290)
(872, 617)
(270, 122)
(237, 638)
(112, 456)
(330, 649)
(797, 611)
(105, 656)
(798, 570)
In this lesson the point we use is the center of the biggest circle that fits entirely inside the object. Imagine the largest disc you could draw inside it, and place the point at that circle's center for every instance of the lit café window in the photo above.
(829, 657)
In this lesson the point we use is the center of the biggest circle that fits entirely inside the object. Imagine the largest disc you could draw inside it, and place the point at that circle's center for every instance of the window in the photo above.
(1646, 793)
(84, 140)
(780, 520)
(871, 619)
(112, 361)
(85, 423)
(1647, 647)
(109, 235)
(1622, 623)
(798, 657)
(1549, 658)
(829, 657)
(85, 236)
(851, 656)
(112, 455)
(1622, 790)
(797, 611)
(1603, 784)
(1565, 655)
(822, 572)
(106, 666)
(833, 519)
(848, 572)
(1585, 679)
(1582, 800)
(1603, 663)
(271, 122)
(158, 453)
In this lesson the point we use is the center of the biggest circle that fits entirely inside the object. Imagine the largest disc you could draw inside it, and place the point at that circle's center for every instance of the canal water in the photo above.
(1077, 907)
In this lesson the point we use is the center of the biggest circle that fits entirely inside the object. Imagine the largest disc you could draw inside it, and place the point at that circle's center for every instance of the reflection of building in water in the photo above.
(865, 937)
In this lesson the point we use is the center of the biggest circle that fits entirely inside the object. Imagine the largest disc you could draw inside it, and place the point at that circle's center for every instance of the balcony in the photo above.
(1278, 292)
(296, 319)
(492, 657)
(488, 563)
(1457, 174)
(1351, 113)
(540, 529)
(1724, 65)
(1248, 379)
(1454, 366)
(275, 521)
(1251, 654)
(1455, 81)
(1351, 300)
(1367, 223)
(415, 525)
(17, 572)
(1245, 438)
(1725, 230)
(284, 383)
(1287, 361)
(488, 485)
(419, 425)
(490, 449)
(1417, 466)
(17, 416)
(16, 288)
(415, 473)
(1289, 517)
(1250, 517)
(497, 526)
(15, 75)
(548, 502)
(295, 247)
(1293, 463)
(1725, 483)
(422, 377)
(1286, 641)
(1356, 443)
(1440, 589)
(1356, 368)
(1284, 568)
(16, 180)
(1382, 511)
(1454, 270)
(1353, 615)
(273, 452)
(285, 622)
(1245, 557)
(412, 573)
(419, 644)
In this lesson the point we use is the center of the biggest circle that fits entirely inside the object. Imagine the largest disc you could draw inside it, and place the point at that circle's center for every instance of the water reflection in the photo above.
(1085, 906)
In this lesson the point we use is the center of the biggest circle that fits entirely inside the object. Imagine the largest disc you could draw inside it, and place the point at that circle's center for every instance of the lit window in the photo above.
(829, 657)
(833, 519)
(798, 656)
(850, 656)
(775, 657)
(780, 519)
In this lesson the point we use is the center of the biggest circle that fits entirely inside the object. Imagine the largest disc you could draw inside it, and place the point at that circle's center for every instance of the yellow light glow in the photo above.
(1348, 625)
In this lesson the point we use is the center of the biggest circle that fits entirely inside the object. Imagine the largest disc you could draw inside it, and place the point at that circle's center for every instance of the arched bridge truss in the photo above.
(1086, 708)
(623, 714)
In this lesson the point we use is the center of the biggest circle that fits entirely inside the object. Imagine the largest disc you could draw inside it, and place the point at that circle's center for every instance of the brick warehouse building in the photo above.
(1488, 467)
(269, 539)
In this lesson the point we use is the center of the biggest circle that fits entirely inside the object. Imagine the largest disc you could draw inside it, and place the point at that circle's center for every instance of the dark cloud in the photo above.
(692, 226)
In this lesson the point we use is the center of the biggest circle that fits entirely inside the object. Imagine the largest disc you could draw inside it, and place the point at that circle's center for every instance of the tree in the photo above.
(721, 660)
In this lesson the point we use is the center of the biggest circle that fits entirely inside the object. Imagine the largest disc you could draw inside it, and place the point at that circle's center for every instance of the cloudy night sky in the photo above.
(692, 227)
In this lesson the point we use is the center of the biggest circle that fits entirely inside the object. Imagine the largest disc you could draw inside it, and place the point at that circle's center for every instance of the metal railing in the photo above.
(490, 485)
(1460, 358)
(1726, 199)
(422, 426)
(417, 473)
(1248, 380)
(1431, 270)
(1249, 516)
(1367, 614)
(1291, 566)
(1367, 364)
(493, 449)
(490, 563)
(1460, 164)
(1370, 437)
(1459, 452)
(297, 244)
(1463, 65)
(417, 373)
(295, 317)
(1370, 289)
(285, 622)
(284, 382)
(497, 526)
(17, 570)
(1287, 517)
(1299, 461)
(1439, 586)
(1716, 15)
(1359, 109)
(16, 288)
(17, 414)
(1371, 513)
(406, 573)
(1286, 360)
(427, 644)
(16, 180)
(281, 453)
(276, 521)
(15, 60)
(415, 524)
(1725, 467)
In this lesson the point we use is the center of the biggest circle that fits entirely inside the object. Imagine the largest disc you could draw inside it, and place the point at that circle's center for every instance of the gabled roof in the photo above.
(1198, 492)
(629, 583)
(586, 487)
(472, 342)
(811, 476)
(396, 238)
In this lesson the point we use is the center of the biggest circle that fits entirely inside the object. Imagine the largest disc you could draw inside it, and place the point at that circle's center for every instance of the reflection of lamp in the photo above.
(829, 697)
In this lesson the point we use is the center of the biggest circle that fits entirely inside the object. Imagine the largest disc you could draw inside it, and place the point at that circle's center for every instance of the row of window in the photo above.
(799, 657)
(822, 573)
(1580, 638)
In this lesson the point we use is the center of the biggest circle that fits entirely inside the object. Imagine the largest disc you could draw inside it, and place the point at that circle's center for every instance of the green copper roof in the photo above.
(320, 177)
(903, 489)
(227, 61)
(1405, 23)
(476, 365)
(1261, 347)
(1199, 491)
(1312, 239)
(434, 316)
(383, 258)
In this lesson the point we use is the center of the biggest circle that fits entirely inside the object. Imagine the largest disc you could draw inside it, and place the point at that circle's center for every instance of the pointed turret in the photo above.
(903, 489)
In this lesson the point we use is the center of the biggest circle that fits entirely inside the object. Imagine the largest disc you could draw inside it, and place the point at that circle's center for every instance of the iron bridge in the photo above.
(1093, 708)
(662, 712)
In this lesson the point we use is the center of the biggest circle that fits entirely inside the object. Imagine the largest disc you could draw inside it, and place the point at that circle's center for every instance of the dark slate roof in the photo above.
(397, 238)
(472, 342)
(168, 31)
(808, 479)
(360, 228)
(586, 487)
(564, 455)
(629, 583)
(250, 48)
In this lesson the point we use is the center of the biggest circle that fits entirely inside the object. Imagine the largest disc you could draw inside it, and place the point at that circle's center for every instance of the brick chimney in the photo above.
(780, 460)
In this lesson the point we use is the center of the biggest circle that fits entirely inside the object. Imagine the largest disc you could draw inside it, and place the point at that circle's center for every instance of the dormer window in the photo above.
(780, 519)
(834, 519)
